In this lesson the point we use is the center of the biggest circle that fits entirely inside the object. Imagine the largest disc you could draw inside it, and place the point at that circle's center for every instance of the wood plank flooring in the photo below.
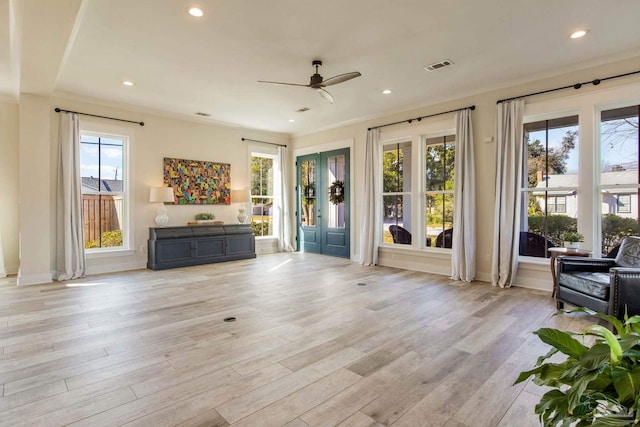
(311, 346)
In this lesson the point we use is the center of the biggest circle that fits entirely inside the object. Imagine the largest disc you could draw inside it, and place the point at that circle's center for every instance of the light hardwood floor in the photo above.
(311, 347)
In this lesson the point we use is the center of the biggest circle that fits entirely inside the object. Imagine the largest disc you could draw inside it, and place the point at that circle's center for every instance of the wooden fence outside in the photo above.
(100, 214)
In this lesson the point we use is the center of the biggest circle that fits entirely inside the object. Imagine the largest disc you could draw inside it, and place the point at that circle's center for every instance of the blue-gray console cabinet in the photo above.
(171, 247)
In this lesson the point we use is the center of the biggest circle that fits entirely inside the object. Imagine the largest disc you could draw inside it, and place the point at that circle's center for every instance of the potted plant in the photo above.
(597, 385)
(204, 218)
(572, 239)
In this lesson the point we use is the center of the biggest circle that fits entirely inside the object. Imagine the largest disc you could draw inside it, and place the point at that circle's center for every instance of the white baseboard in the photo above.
(33, 279)
(114, 268)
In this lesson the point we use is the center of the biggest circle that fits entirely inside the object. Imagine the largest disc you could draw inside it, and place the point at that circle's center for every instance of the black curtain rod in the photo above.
(471, 107)
(58, 110)
(263, 142)
(576, 86)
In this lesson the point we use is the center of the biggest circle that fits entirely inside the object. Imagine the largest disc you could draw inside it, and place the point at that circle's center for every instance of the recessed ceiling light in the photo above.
(578, 34)
(196, 11)
(128, 83)
(386, 91)
(291, 120)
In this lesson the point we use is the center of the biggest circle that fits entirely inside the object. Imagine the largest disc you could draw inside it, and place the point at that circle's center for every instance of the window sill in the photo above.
(434, 252)
(108, 253)
(266, 238)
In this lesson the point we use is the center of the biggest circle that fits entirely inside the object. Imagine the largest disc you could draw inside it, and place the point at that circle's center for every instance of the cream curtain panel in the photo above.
(70, 258)
(370, 229)
(463, 256)
(509, 167)
(284, 237)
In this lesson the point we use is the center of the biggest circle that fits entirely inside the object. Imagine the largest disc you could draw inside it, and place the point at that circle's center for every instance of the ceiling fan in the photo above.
(316, 82)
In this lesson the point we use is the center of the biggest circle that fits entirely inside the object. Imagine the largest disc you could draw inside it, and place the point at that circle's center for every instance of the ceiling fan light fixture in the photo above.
(196, 12)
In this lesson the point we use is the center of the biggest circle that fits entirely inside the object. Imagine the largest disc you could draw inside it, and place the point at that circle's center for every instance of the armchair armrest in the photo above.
(568, 264)
(625, 291)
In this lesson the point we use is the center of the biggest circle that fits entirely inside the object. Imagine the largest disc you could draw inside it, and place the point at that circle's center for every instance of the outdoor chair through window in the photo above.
(400, 235)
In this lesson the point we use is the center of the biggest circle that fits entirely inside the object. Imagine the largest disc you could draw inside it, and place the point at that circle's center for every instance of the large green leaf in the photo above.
(552, 404)
(611, 339)
(526, 374)
(563, 341)
(627, 384)
(629, 341)
(614, 421)
(575, 395)
(595, 357)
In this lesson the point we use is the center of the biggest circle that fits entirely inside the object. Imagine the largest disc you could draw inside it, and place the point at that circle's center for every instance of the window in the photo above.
(439, 166)
(624, 203)
(104, 205)
(550, 184)
(396, 193)
(619, 179)
(262, 194)
(556, 204)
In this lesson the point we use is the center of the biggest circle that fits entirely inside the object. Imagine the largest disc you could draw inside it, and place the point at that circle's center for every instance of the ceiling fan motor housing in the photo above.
(316, 81)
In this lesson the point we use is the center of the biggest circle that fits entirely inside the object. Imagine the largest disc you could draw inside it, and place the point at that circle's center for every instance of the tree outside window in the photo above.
(396, 192)
(439, 181)
(262, 194)
(550, 181)
(619, 175)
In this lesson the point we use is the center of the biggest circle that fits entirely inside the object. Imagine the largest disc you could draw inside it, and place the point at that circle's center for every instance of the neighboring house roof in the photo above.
(90, 184)
(606, 178)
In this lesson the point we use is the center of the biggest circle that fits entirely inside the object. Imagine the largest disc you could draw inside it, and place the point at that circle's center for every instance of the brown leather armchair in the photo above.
(604, 285)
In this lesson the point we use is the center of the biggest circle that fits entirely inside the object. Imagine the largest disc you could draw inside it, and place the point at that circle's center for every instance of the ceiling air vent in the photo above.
(200, 113)
(438, 65)
(302, 110)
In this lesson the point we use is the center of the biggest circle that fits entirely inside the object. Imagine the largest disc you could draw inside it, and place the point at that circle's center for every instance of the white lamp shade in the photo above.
(161, 195)
(240, 196)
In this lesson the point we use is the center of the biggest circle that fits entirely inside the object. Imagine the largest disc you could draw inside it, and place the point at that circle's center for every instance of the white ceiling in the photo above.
(182, 64)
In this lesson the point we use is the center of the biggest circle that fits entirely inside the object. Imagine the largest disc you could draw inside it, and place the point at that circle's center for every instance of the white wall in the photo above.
(24, 143)
(165, 135)
(537, 274)
(9, 185)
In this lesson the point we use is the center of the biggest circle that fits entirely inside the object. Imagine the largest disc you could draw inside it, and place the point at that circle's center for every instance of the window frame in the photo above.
(627, 205)
(424, 191)
(269, 154)
(417, 134)
(588, 106)
(104, 130)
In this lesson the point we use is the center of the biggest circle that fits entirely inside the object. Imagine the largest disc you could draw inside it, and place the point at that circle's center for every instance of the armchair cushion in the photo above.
(595, 284)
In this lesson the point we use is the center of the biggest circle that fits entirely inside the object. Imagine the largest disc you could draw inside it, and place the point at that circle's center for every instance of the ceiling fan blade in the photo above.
(340, 78)
(280, 83)
(326, 95)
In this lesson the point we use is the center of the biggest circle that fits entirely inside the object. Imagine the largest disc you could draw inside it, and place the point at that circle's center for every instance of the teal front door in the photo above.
(323, 203)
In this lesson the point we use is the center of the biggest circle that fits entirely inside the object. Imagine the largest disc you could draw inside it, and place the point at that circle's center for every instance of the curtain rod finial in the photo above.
(473, 107)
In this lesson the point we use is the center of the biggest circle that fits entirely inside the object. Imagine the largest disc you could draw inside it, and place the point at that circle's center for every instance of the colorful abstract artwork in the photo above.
(197, 182)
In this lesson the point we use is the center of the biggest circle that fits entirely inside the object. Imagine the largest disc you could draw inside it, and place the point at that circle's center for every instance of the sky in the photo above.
(618, 147)
(111, 159)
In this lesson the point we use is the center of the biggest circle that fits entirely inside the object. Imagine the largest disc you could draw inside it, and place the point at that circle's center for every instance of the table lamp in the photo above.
(161, 195)
(241, 196)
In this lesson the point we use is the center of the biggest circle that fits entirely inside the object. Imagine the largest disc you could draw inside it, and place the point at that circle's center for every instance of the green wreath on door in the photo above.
(336, 192)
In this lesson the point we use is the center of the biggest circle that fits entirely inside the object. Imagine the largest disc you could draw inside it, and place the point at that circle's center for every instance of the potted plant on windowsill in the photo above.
(597, 385)
(572, 240)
